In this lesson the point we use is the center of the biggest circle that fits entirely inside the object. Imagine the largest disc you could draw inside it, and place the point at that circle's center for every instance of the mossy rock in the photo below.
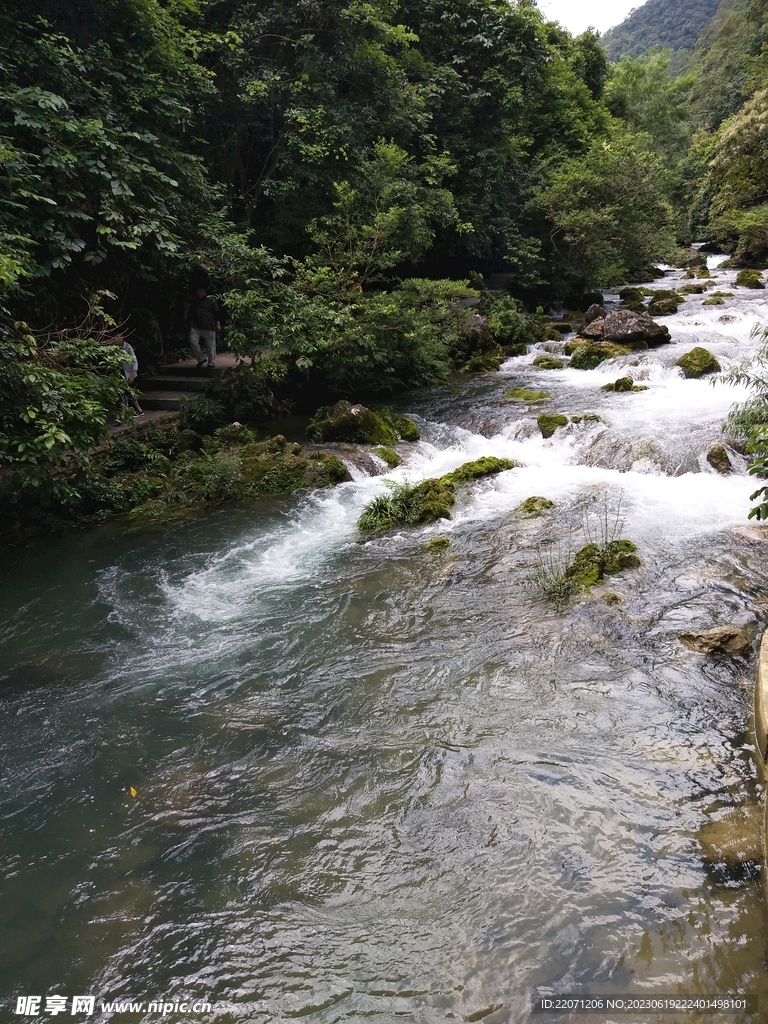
(587, 417)
(535, 506)
(594, 562)
(689, 275)
(354, 423)
(407, 429)
(722, 295)
(517, 349)
(663, 307)
(549, 422)
(485, 362)
(485, 466)
(698, 363)
(389, 455)
(631, 294)
(636, 307)
(714, 301)
(704, 273)
(408, 505)
(719, 460)
(749, 279)
(624, 384)
(693, 289)
(573, 346)
(562, 326)
(587, 357)
(437, 545)
(548, 363)
(523, 395)
(279, 467)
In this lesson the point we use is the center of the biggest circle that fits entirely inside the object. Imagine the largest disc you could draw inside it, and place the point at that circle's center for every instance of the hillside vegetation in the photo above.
(668, 24)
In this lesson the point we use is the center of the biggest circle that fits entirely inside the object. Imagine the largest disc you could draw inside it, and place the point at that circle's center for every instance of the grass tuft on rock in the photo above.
(438, 544)
(594, 562)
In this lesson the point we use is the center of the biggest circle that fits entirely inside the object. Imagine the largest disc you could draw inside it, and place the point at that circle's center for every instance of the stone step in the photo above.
(170, 400)
(177, 382)
(187, 370)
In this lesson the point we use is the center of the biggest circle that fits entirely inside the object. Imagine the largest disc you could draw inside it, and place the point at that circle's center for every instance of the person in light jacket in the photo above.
(130, 369)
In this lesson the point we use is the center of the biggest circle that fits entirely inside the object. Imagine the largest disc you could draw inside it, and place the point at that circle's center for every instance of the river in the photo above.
(377, 784)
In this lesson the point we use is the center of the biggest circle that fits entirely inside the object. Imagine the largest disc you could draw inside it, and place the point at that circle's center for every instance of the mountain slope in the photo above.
(675, 24)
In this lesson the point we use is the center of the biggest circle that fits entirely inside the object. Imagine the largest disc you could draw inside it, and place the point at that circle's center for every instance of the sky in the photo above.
(578, 15)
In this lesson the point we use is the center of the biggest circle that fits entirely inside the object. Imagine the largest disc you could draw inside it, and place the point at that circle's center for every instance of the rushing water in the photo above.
(377, 784)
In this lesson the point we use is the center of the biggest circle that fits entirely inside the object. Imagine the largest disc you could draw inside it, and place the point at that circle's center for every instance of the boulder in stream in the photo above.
(698, 363)
(627, 327)
(721, 640)
(718, 458)
(347, 422)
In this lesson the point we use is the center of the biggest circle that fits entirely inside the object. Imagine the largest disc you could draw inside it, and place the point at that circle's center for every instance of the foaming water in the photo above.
(373, 782)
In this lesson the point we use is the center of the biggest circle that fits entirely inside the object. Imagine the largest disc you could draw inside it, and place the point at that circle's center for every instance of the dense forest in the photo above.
(668, 24)
(341, 176)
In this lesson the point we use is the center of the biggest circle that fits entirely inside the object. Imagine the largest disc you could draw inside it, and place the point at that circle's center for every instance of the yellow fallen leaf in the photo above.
(132, 791)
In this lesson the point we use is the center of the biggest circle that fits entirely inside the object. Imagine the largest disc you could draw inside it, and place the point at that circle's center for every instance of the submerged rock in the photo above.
(625, 326)
(721, 640)
(698, 363)
(590, 354)
(438, 544)
(717, 457)
(523, 395)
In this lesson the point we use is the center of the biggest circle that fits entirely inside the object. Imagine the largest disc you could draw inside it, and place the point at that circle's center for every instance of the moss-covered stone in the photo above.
(279, 467)
(535, 506)
(624, 384)
(714, 301)
(407, 429)
(549, 422)
(347, 422)
(389, 455)
(437, 545)
(636, 307)
(719, 460)
(523, 395)
(587, 417)
(590, 355)
(663, 307)
(594, 562)
(749, 279)
(631, 294)
(704, 273)
(425, 502)
(693, 289)
(698, 363)
(488, 465)
(722, 295)
(515, 349)
(548, 363)
(485, 362)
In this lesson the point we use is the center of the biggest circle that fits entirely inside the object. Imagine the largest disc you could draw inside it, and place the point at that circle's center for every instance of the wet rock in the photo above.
(594, 562)
(717, 457)
(595, 312)
(624, 384)
(523, 395)
(698, 363)
(625, 326)
(406, 428)
(437, 544)
(590, 299)
(549, 422)
(663, 307)
(721, 640)
(548, 363)
(693, 289)
(714, 301)
(388, 455)
(347, 422)
(749, 279)
(591, 354)
(488, 361)
(631, 294)
(594, 329)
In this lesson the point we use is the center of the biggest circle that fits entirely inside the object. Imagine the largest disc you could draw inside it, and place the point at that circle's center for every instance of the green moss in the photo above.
(714, 301)
(548, 363)
(523, 395)
(486, 466)
(636, 307)
(689, 275)
(486, 362)
(552, 334)
(749, 279)
(355, 423)
(663, 307)
(624, 384)
(389, 455)
(408, 505)
(535, 507)
(704, 272)
(693, 289)
(517, 349)
(587, 417)
(698, 362)
(587, 357)
(722, 295)
(594, 562)
(438, 544)
(407, 429)
(631, 294)
(549, 422)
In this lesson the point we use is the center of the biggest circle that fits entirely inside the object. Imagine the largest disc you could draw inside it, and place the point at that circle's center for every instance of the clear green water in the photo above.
(375, 784)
